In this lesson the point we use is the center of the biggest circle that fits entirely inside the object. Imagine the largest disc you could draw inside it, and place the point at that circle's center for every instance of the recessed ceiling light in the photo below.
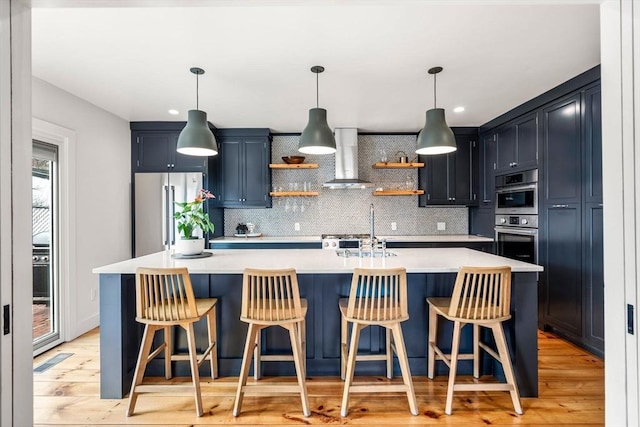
(458, 109)
(174, 112)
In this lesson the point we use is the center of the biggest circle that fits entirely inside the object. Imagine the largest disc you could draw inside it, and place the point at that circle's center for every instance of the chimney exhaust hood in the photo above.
(347, 161)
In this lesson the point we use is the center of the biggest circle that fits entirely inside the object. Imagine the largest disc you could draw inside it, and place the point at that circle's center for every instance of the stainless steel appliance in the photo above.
(155, 229)
(517, 193)
(342, 241)
(517, 237)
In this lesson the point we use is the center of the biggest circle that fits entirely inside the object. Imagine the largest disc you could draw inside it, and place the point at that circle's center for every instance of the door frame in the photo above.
(65, 140)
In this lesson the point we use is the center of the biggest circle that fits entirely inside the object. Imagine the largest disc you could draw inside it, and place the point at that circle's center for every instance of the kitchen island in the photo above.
(324, 278)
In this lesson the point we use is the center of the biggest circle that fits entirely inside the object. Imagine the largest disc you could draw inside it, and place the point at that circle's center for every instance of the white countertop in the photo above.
(458, 238)
(320, 261)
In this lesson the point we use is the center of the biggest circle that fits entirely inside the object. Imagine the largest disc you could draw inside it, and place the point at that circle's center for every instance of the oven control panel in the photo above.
(527, 221)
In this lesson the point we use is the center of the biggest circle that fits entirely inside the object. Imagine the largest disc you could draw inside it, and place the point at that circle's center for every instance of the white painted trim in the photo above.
(6, 347)
(21, 149)
(65, 140)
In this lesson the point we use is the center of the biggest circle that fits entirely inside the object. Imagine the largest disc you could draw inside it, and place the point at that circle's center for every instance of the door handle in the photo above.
(173, 213)
(165, 217)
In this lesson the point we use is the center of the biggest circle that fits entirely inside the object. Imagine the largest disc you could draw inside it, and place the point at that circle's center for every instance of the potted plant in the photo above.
(191, 217)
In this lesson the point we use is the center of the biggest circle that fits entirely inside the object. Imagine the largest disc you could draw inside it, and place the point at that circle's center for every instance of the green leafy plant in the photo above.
(192, 216)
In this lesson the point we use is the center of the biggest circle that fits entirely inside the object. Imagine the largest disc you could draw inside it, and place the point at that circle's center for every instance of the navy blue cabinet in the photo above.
(451, 179)
(516, 144)
(153, 149)
(572, 288)
(240, 175)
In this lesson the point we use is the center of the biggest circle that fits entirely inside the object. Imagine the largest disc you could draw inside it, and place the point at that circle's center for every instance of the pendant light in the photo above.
(196, 139)
(436, 137)
(317, 137)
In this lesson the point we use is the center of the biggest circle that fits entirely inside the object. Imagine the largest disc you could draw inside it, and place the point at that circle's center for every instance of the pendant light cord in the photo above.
(197, 91)
(317, 91)
(434, 90)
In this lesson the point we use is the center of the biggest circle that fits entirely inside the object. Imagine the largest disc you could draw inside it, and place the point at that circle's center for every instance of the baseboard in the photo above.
(83, 326)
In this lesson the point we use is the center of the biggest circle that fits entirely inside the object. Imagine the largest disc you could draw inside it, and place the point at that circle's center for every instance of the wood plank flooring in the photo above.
(571, 394)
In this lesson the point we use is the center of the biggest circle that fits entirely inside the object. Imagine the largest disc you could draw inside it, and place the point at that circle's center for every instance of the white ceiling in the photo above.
(134, 62)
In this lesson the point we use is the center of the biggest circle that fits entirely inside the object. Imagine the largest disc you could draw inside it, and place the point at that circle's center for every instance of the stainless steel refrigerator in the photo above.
(155, 194)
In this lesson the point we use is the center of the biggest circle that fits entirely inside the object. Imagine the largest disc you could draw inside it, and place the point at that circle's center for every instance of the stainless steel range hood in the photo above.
(347, 161)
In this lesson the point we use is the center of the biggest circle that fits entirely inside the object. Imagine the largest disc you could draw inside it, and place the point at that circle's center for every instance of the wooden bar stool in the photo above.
(272, 298)
(481, 297)
(378, 297)
(164, 298)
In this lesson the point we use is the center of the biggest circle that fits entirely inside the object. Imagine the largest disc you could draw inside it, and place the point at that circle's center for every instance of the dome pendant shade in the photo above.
(317, 137)
(196, 139)
(436, 137)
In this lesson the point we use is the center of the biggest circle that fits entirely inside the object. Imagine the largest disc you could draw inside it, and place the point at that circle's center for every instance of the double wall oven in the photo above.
(516, 215)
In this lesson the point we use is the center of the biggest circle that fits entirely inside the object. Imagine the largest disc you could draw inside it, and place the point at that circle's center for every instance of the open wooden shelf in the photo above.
(293, 193)
(398, 193)
(393, 165)
(293, 166)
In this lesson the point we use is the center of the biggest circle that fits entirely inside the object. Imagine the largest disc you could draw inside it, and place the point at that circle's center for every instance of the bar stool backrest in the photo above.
(378, 295)
(164, 295)
(270, 296)
(482, 293)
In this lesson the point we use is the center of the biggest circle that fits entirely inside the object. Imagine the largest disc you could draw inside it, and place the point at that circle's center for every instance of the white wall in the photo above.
(101, 172)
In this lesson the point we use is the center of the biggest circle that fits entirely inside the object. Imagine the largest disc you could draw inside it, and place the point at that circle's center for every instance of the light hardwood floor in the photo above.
(571, 393)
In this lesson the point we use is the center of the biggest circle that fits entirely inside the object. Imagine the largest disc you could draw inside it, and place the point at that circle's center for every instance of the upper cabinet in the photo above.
(154, 149)
(516, 144)
(240, 176)
(451, 179)
(487, 171)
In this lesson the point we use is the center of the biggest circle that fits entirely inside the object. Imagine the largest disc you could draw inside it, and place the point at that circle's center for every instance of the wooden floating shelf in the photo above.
(398, 193)
(390, 165)
(293, 166)
(293, 193)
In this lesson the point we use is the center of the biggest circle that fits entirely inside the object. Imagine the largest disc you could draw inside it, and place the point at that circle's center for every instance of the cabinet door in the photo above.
(184, 163)
(527, 142)
(562, 242)
(562, 141)
(153, 150)
(256, 172)
(593, 145)
(506, 148)
(230, 172)
(460, 172)
(593, 277)
(434, 179)
(482, 222)
(487, 170)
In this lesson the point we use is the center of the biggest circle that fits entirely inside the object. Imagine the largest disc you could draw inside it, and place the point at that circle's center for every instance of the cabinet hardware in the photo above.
(6, 320)
(600, 205)
(560, 206)
(486, 201)
(630, 325)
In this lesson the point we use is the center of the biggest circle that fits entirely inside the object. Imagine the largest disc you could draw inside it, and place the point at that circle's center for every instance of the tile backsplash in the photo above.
(347, 210)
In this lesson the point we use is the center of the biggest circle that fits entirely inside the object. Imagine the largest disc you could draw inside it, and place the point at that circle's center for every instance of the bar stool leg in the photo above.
(432, 341)
(351, 365)
(344, 331)
(455, 346)
(404, 367)
(168, 351)
(300, 373)
(256, 356)
(389, 352)
(193, 361)
(476, 350)
(141, 365)
(244, 368)
(212, 330)
(503, 351)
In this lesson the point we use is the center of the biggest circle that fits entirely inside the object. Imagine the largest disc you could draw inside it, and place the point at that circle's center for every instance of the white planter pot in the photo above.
(190, 246)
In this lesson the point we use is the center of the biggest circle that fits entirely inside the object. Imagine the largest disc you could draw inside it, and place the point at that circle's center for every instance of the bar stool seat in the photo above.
(272, 298)
(481, 297)
(165, 298)
(378, 297)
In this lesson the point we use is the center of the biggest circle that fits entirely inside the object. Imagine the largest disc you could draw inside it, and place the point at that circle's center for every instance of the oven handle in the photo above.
(515, 188)
(520, 231)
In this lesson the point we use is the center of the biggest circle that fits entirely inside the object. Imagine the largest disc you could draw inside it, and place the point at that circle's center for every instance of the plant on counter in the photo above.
(192, 216)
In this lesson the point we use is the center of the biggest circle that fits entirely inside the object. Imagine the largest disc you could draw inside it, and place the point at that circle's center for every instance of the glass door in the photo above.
(46, 289)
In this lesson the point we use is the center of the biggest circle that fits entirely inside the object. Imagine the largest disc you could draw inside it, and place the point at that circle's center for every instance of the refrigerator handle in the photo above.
(165, 219)
(173, 213)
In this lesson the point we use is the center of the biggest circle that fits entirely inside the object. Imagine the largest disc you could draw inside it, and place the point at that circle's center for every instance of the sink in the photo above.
(354, 253)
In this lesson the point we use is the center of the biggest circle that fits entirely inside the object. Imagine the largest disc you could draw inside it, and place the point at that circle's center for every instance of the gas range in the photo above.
(337, 241)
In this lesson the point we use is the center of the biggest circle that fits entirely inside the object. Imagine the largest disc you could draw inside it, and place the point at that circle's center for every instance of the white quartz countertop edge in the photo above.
(416, 238)
(319, 261)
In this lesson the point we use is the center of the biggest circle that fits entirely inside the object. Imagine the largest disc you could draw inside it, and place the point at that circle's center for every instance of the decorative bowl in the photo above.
(293, 160)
